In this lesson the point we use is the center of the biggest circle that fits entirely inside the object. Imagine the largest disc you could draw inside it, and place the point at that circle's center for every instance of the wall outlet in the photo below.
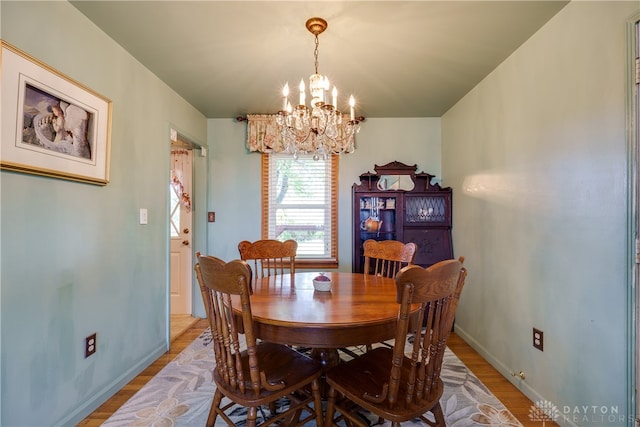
(538, 339)
(90, 345)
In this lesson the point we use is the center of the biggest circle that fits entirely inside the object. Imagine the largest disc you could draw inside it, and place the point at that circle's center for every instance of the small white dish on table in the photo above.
(322, 283)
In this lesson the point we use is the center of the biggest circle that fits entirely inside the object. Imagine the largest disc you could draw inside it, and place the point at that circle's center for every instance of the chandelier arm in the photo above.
(291, 135)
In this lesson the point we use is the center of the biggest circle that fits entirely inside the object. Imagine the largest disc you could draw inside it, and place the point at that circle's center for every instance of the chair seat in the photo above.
(282, 365)
(368, 374)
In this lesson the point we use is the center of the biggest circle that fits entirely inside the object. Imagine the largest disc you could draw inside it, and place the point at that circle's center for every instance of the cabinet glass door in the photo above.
(377, 218)
(432, 210)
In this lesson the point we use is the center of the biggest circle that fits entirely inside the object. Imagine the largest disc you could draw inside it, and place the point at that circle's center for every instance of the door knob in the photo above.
(185, 242)
(185, 231)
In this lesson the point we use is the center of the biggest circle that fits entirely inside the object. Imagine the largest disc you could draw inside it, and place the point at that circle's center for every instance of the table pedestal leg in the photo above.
(329, 358)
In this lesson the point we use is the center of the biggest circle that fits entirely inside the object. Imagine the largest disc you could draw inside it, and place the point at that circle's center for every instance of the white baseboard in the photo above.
(94, 401)
(521, 385)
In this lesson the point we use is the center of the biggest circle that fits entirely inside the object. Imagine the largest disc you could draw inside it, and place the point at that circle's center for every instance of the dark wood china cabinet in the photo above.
(396, 203)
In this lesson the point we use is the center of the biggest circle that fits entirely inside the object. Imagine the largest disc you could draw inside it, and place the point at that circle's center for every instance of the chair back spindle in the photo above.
(387, 257)
(269, 257)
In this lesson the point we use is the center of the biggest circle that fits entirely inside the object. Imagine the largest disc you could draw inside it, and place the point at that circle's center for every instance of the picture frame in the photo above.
(52, 125)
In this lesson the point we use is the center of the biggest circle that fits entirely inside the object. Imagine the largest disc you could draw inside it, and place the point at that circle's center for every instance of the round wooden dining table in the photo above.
(360, 309)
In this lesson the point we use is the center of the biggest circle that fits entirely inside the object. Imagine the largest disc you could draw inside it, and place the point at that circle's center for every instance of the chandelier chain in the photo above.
(315, 53)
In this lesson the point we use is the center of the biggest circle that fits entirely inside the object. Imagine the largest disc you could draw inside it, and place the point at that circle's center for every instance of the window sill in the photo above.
(316, 263)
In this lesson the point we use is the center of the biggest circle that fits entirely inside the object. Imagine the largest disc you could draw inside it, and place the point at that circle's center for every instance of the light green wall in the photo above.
(74, 259)
(536, 156)
(98, 270)
(235, 176)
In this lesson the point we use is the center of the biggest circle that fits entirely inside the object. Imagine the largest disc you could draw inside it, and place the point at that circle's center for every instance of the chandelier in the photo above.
(319, 129)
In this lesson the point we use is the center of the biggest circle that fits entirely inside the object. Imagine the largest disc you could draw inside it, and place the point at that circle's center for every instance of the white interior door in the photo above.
(180, 225)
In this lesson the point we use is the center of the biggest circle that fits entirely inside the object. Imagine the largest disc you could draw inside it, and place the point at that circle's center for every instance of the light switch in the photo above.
(143, 216)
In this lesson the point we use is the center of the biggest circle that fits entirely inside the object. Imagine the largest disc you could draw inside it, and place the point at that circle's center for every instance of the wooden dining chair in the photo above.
(269, 257)
(387, 257)
(403, 383)
(259, 374)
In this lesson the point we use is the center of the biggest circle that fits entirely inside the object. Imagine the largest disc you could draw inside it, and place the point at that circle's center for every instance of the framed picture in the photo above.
(51, 125)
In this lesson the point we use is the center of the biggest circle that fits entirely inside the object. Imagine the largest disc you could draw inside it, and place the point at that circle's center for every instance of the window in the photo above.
(299, 202)
(174, 212)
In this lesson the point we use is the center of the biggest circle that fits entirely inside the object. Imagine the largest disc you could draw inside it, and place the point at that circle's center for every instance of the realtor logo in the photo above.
(598, 415)
(543, 411)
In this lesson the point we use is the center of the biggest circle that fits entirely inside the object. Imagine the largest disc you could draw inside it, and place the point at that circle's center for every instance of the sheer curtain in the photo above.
(180, 159)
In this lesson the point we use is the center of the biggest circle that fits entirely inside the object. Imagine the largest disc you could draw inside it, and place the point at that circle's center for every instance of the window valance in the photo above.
(263, 134)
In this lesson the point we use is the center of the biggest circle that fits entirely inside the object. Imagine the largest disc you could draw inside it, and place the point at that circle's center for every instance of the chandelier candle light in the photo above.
(319, 129)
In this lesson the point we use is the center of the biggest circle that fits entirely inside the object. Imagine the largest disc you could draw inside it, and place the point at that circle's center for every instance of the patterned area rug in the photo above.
(181, 394)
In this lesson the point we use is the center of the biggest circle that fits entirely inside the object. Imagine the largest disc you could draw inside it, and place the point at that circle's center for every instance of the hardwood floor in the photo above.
(103, 412)
(508, 394)
(179, 324)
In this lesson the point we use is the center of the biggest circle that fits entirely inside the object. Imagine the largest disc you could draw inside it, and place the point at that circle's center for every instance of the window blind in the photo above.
(301, 203)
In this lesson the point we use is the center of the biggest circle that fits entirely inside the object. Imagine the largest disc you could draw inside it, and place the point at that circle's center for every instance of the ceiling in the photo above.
(398, 58)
